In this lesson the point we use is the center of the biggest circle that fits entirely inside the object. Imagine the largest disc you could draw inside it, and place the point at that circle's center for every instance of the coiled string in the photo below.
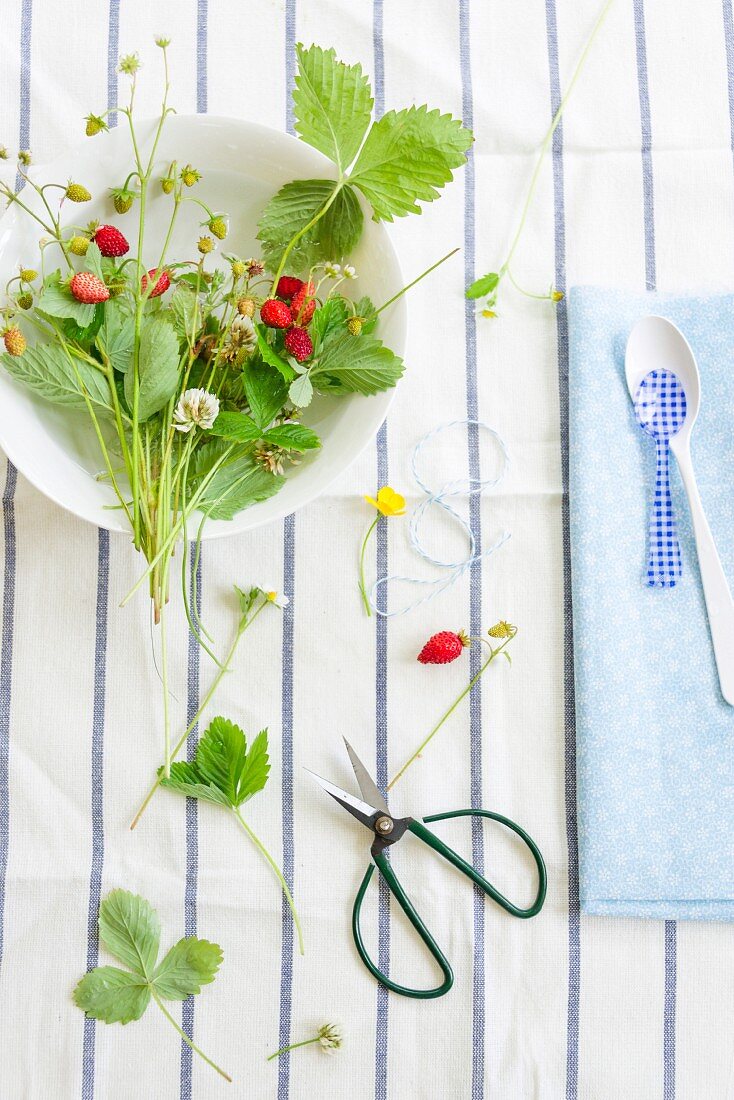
(464, 488)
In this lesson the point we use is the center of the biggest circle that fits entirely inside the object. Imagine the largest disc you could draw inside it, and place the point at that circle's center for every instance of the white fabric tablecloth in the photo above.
(640, 191)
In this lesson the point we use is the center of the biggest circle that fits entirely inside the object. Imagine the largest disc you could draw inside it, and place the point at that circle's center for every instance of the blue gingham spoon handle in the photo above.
(664, 564)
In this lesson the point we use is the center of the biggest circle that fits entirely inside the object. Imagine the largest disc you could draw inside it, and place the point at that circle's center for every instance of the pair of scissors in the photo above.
(372, 810)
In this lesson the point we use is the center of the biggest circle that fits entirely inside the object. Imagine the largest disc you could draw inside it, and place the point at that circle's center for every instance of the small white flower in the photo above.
(274, 596)
(332, 270)
(330, 1038)
(196, 408)
(349, 272)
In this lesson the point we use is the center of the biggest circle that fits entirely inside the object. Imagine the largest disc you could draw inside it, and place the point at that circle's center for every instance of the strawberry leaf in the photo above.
(130, 930)
(334, 235)
(356, 364)
(112, 995)
(190, 964)
(293, 437)
(332, 103)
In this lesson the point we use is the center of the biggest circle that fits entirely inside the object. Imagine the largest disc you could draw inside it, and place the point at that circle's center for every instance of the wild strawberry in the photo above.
(25, 301)
(122, 199)
(218, 227)
(167, 185)
(190, 176)
(76, 192)
(28, 275)
(238, 269)
(95, 125)
(162, 285)
(14, 341)
(110, 241)
(298, 344)
(288, 285)
(88, 288)
(276, 314)
(79, 245)
(303, 304)
(246, 307)
(442, 648)
(354, 325)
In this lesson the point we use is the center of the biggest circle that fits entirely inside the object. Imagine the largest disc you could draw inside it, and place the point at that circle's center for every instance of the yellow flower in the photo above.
(388, 503)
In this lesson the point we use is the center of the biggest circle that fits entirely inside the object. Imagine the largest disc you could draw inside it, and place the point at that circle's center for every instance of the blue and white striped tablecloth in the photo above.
(639, 191)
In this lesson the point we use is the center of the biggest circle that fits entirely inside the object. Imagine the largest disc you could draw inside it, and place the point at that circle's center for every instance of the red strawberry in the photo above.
(110, 241)
(443, 648)
(298, 343)
(164, 281)
(88, 288)
(288, 285)
(303, 304)
(276, 314)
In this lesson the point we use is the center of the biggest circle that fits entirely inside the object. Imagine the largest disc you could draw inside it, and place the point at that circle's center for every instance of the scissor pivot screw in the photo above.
(384, 825)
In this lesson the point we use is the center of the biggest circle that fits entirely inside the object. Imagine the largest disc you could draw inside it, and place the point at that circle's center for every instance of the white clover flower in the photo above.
(332, 270)
(275, 597)
(349, 272)
(330, 1038)
(196, 408)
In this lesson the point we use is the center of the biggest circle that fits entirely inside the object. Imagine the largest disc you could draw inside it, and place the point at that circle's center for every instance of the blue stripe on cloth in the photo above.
(289, 548)
(574, 918)
(381, 709)
(475, 576)
(96, 781)
(648, 195)
(192, 824)
(6, 682)
(729, 46)
(193, 664)
(100, 678)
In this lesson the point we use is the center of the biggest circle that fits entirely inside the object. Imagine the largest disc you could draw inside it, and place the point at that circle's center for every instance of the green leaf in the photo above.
(356, 364)
(56, 300)
(301, 392)
(254, 774)
(116, 337)
(365, 307)
(236, 426)
(293, 437)
(93, 260)
(185, 310)
(407, 157)
(130, 930)
(57, 377)
(112, 995)
(483, 286)
(239, 482)
(266, 391)
(272, 358)
(185, 779)
(190, 964)
(331, 318)
(332, 104)
(335, 235)
(221, 755)
(159, 367)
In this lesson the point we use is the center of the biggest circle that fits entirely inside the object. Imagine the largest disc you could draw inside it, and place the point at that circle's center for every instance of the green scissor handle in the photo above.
(383, 864)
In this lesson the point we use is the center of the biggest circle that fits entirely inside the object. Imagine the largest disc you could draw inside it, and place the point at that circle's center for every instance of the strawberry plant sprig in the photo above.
(488, 286)
(224, 771)
(442, 649)
(130, 930)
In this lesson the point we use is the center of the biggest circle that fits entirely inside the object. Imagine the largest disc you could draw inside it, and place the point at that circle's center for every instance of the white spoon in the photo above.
(655, 344)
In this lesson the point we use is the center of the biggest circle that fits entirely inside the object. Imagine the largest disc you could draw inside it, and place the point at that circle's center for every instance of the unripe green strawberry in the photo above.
(218, 227)
(122, 199)
(77, 192)
(79, 245)
(14, 341)
(190, 176)
(95, 125)
(354, 324)
(28, 275)
(238, 269)
(205, 245)
(167, 185)
(25, 300)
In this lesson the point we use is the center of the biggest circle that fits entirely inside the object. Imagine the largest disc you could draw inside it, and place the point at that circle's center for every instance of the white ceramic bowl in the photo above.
(243, 165)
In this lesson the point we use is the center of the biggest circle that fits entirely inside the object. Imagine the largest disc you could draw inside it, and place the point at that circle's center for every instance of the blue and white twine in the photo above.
(459, 488)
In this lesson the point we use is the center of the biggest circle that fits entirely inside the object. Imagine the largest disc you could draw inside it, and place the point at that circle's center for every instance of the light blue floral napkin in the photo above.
(655, 740)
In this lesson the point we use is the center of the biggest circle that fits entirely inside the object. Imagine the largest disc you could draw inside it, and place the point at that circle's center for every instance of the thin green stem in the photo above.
(302, 232)
(224, 667)
(552, 129)
(184, 1036)
(284, 885)
(362, 585)
(166, 700)
(410, 285)
(292, 1046)
(494, 653)
(527, 293)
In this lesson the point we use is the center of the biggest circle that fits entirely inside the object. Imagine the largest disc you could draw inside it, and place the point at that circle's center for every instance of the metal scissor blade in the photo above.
(370, 793)
(359, 809)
